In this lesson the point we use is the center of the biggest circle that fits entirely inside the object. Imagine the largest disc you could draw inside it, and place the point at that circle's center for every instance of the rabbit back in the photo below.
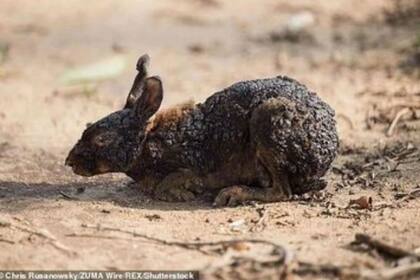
(217, 133)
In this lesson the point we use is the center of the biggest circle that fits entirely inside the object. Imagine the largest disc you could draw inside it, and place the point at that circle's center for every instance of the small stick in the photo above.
(411, 195)
(261, 223)
(190, 245)
(400, 272)
(97, 236)
(305, 268)
(368, 119)
(414, 106)
(346, 272)
(405, 154)
(394, 123)
(67, 196)
(41, 234)
(52, 240)
(7, 241)
(382, 247)
(415, 193)
(347, 119)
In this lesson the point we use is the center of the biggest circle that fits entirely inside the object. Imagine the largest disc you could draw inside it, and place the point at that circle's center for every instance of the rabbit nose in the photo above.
(69, 161)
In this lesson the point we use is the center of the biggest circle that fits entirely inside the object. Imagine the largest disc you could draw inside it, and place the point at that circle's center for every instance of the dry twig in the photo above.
(382, 247)
(394, 123)
(67, 196)
(7, 241)
(400, 272)
(260, 224)
(43, 233)
(230, 262)
(415, 193)
(188, 245)
(347, 119)
(304, 268)
(84, 235)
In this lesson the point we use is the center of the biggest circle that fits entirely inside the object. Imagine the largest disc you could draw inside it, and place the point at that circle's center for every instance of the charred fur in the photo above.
(262, 139)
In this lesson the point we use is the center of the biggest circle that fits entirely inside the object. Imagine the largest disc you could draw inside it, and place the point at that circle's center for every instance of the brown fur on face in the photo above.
(103, 167)
(114, 142)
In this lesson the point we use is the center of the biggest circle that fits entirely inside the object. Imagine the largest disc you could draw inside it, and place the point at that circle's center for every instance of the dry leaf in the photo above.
(239, 246)
(362, 202)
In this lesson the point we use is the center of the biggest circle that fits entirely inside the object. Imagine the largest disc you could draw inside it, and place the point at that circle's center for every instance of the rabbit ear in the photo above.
(149, 102)
(138, 84)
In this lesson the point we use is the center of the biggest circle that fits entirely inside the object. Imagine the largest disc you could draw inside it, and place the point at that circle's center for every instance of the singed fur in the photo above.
(261, 140)
(171, 116)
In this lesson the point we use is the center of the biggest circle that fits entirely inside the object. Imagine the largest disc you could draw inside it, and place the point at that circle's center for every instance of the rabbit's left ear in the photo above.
(149, 102)
(138, 84)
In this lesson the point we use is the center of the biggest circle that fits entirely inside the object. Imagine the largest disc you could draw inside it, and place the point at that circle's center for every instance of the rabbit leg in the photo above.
(280, 187)
(235, 195)
(274, 125)
(177, 187)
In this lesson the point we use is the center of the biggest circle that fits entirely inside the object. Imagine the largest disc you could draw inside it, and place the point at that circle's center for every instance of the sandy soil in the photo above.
(351, 59)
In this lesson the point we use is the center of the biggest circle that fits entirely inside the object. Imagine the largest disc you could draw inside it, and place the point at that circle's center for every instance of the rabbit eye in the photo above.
(103, 139)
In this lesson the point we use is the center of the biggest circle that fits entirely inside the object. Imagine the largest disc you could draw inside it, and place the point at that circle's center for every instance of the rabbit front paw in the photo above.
(173, 194)
(177, 187)
(233, 196)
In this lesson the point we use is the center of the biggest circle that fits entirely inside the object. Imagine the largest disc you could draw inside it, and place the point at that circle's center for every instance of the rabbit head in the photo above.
(114, 142)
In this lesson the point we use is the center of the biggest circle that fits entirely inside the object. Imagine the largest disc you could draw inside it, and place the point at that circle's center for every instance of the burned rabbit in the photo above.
(258, 140)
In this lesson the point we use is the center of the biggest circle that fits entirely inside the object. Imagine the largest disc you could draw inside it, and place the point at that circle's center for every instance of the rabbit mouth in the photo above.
(77, 168)
(82, 172)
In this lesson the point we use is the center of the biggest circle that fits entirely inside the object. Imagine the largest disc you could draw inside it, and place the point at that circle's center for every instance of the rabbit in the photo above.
(259, 140)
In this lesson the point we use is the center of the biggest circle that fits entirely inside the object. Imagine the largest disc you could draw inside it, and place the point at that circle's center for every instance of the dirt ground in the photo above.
(349, 53)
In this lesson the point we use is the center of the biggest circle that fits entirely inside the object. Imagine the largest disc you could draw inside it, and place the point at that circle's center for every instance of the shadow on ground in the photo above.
(17, 196)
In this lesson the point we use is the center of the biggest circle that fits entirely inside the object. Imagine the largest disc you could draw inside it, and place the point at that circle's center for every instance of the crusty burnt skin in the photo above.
(259, 140)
